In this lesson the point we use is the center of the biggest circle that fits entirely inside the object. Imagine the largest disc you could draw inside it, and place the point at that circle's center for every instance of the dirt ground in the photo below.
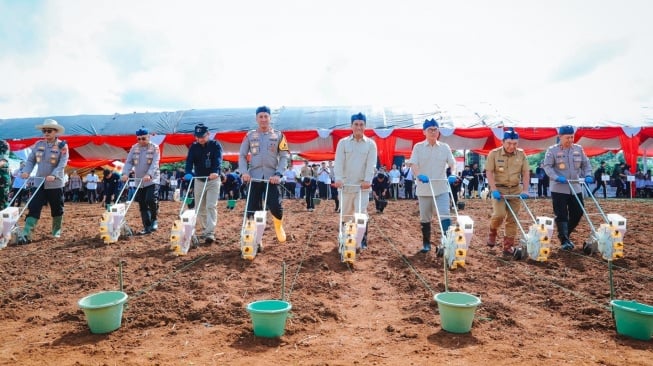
(190, 310)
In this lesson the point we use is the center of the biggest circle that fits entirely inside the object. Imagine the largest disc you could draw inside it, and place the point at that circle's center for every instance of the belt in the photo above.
(201, 179)
(506, 186)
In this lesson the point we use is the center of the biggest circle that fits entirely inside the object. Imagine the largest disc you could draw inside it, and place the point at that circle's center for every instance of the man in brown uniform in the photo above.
(507, 174)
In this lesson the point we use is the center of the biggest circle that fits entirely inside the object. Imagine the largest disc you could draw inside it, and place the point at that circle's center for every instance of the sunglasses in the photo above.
(141, 138)
(48, 130)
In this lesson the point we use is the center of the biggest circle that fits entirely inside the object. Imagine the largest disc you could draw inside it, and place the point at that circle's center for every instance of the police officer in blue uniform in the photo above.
(50, 157)
(563, 162)
(269, 156)
(144, 158)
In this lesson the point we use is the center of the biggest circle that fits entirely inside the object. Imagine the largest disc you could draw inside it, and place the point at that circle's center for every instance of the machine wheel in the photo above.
(587, 248)
(518, 253)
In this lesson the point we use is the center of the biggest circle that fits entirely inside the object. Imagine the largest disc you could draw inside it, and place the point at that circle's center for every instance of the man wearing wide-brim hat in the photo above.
(50, 157)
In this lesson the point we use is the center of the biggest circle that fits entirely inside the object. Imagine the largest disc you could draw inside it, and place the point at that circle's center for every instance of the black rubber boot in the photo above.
(364, 240)
(563, 236)
(426, 237)
(145, 218)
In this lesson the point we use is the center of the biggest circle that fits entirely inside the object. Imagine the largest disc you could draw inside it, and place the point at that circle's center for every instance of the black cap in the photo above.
(201, 130)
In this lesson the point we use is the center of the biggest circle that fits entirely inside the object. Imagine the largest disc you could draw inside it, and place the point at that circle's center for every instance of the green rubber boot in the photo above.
(26, 236)
(56, 226)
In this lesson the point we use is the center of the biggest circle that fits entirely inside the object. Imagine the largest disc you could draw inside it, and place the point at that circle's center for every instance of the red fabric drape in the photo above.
(386, 146)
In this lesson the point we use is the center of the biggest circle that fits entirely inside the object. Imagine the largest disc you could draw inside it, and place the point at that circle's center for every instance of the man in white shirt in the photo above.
(291, 181)
(356, 157)
(395, 177)
(407, 173)
(91, 186)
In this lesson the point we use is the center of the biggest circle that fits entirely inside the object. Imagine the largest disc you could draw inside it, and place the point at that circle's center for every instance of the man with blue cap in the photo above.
(269, 154)
(507, 173)
(204, 161)
(143, 158)
(354, 167)
(567, 164)
(429, 161)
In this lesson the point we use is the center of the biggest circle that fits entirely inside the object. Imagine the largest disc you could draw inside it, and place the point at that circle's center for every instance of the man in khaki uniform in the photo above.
(507, 174)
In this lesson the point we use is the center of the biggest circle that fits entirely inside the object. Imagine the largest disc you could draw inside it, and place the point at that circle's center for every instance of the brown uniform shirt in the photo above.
(507, 168)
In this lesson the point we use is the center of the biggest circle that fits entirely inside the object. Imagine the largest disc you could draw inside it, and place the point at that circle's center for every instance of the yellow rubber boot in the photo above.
(278, 228)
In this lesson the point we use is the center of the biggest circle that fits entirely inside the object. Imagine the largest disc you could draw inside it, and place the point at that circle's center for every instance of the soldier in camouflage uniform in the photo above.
(5, 176)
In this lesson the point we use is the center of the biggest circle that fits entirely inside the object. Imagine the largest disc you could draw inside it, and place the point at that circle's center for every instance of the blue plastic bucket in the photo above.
(103, 310)
(633, 319)
(269, 317)
(456, 310)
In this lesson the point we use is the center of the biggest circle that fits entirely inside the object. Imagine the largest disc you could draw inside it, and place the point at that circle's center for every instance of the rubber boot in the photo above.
(563, 236)
(426, 237)
(508, 245)
(278, 228)
(154, 225)
(26, 236)
(145, 218)
(492, 238)
(56, 226)
(364, 240)
(446, 223)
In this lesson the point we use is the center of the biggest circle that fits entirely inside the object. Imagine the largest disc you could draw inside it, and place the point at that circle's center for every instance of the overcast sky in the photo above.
(531, 60)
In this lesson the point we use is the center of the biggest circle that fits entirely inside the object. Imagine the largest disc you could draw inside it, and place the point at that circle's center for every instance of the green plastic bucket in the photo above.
(316, 201)
(231, 203)
(103, 310)
(456, 310)
(633, 319)
(269, 317)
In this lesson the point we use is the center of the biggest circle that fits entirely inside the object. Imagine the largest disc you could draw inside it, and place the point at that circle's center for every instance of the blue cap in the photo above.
(262, 109)
(430, 123)
(510, 134)
(566, 130)
(201, 130)
(358, 117)
(142, 131)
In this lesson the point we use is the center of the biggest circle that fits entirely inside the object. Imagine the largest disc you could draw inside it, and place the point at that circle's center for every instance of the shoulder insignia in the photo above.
(283, 144)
